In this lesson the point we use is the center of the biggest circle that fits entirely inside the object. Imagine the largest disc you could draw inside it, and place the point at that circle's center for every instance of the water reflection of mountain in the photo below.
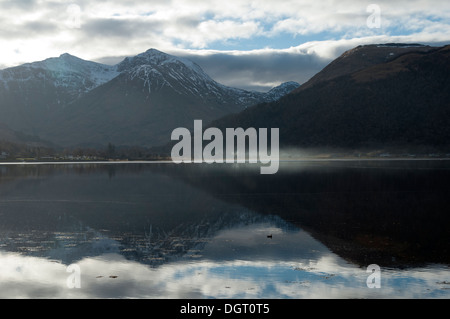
(367, 212)
(155, 247)
(67, 213)
(387, 212)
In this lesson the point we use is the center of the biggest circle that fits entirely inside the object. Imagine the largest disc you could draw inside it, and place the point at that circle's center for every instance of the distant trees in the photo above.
(17, 150)
(14, 151)
(111, 151)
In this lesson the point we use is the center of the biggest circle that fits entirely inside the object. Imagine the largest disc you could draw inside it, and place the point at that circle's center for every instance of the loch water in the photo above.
(161, 230)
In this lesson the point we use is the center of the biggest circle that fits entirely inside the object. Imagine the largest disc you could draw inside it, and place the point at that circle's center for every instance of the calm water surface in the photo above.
(225, 231)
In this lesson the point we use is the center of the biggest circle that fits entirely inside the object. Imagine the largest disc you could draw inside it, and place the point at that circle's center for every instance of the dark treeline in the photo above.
(15, 151)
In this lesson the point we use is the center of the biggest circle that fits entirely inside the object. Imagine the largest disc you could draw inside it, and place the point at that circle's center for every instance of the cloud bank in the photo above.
(250, 44)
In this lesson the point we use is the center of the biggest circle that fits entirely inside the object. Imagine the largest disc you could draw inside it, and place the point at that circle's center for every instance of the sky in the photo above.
(251, 44)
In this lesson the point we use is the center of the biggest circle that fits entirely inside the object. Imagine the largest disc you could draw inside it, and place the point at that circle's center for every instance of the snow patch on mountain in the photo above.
(400, 45)
(67, 71)
(68, 67)
(278, 92)
(157, 70)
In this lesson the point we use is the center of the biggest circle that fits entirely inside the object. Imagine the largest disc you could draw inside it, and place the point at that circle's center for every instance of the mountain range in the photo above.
(380, 96)
(390, 96)
(72, 102)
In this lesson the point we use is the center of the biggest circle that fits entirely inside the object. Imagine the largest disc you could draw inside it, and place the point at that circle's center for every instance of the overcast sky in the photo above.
(250, 44)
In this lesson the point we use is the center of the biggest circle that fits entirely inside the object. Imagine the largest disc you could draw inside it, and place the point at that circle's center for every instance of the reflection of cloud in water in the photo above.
(32, 277)
(249, 265)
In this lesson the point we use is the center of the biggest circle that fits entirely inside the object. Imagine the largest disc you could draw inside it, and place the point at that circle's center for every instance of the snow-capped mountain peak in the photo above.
(155, 62)
(279, 91)
(158, 70)
(67, 68)
(76, 75)
(135, 101)
(156, 58)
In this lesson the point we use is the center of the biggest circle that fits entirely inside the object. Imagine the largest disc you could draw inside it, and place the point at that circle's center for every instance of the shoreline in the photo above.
(304, 159)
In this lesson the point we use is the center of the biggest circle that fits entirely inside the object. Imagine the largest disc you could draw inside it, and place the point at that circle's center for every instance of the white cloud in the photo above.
(314, 32)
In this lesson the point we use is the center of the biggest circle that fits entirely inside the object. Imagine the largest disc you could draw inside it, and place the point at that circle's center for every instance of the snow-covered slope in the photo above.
(157, 70)
(67, 67)
(70, 101)
(154, 68)
(66, 71)
(31, 93)
(278, 92)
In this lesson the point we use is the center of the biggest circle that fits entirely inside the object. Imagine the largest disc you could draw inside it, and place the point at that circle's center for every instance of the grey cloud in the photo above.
(18, 4)
(28, 30)
(115, 28)
(40, 27)
(188, 21)
(259, 71)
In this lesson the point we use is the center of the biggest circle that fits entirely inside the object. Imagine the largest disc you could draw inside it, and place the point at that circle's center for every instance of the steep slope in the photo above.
(404, 102)
(77, 75)
(362, 57)
(31, 93)
(279, 91)
(8, 135)
(153, 94)
(157, 70)
(13, 144)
